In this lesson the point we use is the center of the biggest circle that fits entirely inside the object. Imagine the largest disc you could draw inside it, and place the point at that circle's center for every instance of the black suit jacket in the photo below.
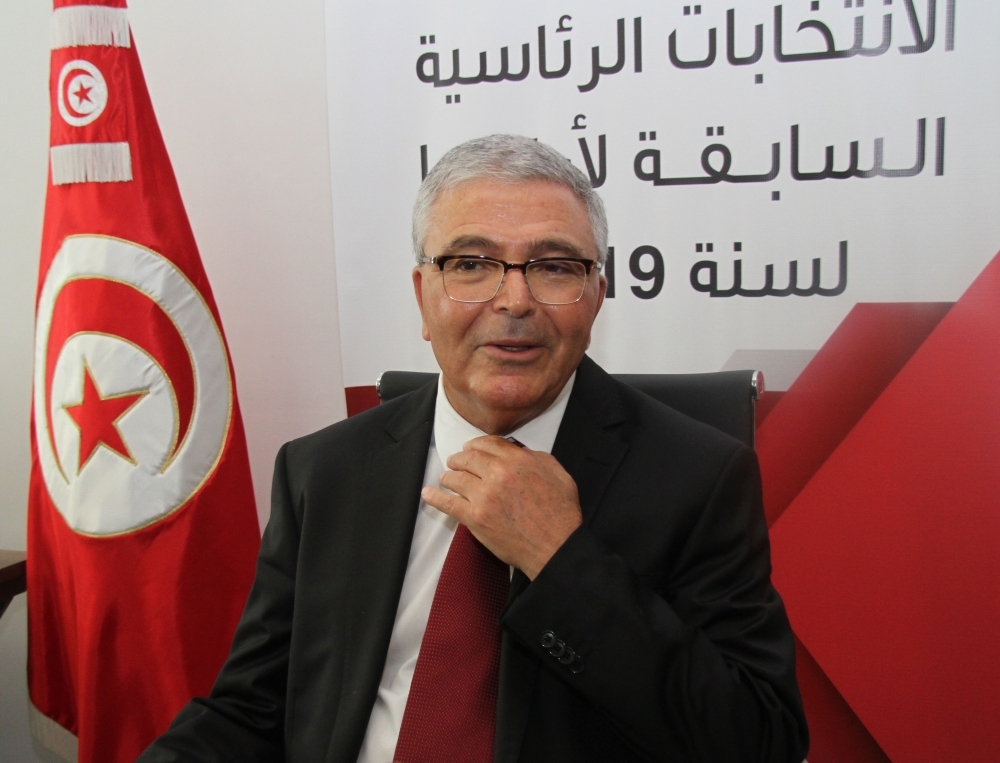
(664, 592)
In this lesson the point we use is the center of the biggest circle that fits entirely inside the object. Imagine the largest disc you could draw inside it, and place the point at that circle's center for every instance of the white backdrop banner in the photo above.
(765, 167)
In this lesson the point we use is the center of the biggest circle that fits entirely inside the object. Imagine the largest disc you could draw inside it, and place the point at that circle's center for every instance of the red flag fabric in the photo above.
(142, 529)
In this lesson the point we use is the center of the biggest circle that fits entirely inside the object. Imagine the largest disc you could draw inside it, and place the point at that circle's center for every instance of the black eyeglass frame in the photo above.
(508, 266)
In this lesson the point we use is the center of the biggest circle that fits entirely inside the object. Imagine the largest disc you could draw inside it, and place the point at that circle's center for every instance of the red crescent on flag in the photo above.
(71, 75)
(101, 305)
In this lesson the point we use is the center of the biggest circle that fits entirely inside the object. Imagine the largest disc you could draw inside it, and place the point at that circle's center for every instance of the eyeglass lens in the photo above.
(553, 282)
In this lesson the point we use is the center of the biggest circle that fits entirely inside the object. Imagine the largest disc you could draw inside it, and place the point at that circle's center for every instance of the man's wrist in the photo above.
(543, 559)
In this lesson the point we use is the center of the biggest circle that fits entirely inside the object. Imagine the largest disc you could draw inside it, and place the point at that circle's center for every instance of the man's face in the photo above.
(505, 361)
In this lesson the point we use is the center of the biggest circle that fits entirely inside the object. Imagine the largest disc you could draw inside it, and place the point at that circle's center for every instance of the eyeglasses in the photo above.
(476, 278)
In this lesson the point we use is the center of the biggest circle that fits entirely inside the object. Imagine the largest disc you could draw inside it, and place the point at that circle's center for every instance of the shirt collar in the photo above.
(451, 431)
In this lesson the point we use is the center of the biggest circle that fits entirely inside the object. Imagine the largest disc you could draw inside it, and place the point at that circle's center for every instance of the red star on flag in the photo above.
(97, 417)
(82, 93)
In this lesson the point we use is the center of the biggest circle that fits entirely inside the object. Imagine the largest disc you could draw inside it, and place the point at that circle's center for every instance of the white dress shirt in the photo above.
(432, 537)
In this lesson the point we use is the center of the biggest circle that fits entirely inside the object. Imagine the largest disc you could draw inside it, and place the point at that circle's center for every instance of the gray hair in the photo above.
(508, 159)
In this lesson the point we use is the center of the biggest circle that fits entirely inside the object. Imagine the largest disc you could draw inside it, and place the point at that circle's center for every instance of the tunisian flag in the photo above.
(142, 529)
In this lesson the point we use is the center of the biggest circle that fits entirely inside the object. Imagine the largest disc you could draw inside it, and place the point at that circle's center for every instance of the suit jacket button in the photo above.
(559, 649)
(577, 667)
(568, 657)
(547, 640)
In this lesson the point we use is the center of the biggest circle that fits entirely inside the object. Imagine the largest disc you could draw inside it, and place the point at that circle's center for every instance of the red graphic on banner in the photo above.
(886, 557)
(142, 529)
(360, 399)
(845, 377)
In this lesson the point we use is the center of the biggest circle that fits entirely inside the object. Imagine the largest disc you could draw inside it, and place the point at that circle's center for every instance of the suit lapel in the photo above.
(394, 474)
(590, 447)
(590, 444)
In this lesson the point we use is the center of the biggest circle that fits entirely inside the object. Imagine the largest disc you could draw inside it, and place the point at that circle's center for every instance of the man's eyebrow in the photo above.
(535, 249)
(553, 246)
(462, 243)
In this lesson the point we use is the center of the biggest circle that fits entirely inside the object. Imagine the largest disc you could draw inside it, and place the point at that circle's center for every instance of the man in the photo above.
(635, 621)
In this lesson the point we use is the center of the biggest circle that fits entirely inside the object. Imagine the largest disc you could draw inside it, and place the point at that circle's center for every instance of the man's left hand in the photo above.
(520, 503)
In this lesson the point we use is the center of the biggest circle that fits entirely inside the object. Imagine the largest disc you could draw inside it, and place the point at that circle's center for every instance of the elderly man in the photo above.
(433, 585)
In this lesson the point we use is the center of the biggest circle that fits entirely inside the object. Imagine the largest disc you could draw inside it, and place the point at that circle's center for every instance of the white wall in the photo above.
(24, 137)
(239, 90)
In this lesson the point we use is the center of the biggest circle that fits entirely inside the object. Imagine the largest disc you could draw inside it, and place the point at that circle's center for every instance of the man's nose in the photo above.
(514, 296)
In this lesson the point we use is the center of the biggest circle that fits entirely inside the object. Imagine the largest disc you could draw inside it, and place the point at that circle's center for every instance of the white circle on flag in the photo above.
(82, 93)
(134, 466)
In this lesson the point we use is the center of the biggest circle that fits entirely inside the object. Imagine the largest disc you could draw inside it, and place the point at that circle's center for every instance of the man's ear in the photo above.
(418, 291)
(602, 290)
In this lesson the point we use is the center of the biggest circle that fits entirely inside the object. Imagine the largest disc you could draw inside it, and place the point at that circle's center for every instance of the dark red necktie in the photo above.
(451, 710)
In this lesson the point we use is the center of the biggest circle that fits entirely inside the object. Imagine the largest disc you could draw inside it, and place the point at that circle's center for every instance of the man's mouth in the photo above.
(515, 346)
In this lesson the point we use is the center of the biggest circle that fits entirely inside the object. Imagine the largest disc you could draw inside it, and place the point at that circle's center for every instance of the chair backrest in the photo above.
(724, 399)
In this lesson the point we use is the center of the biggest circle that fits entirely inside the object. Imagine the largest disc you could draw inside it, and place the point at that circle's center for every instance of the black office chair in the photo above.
(724, 400)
